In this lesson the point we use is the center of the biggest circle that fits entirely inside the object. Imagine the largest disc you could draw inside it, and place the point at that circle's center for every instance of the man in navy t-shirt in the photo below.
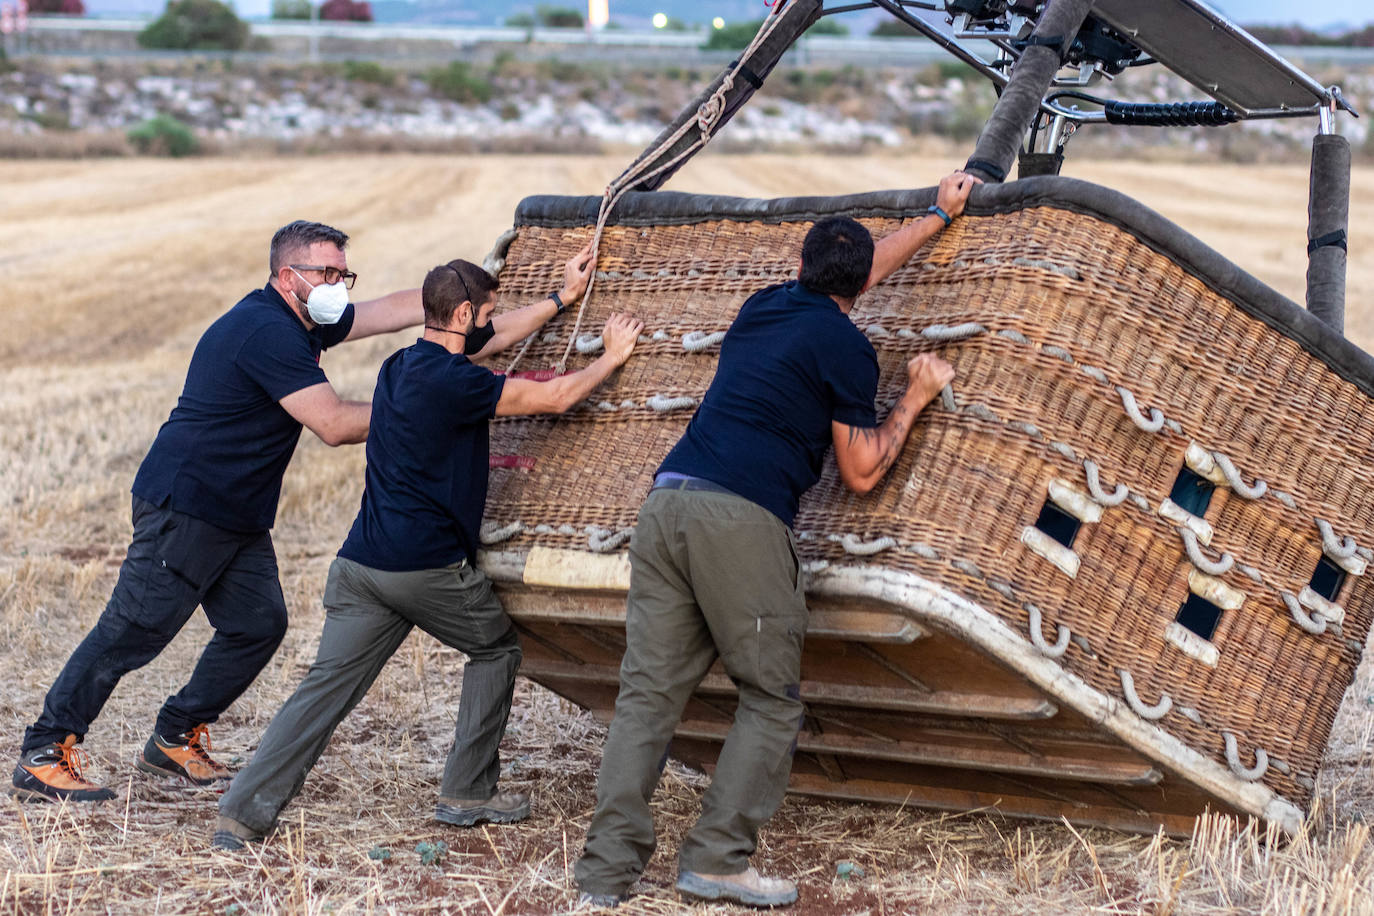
(410, 558)
(204, 501)
(714, 569)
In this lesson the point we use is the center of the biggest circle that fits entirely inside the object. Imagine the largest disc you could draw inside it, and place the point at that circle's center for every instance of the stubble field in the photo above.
(109, 271)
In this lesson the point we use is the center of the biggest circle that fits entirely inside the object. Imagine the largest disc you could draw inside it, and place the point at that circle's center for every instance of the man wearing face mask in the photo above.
(409, 560)
(204, 502)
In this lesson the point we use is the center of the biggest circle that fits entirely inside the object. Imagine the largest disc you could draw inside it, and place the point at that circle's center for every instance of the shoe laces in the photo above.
(73, 760)
(198, 740)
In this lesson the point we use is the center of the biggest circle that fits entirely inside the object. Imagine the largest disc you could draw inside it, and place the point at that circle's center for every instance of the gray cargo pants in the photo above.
(712, 575)
(368, 614)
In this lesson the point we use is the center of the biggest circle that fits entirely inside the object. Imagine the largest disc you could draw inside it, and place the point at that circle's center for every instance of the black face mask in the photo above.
(477, 337)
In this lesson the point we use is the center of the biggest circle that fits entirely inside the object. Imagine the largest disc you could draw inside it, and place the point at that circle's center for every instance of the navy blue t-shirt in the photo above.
(221, 454)
(427, 461)
(790, 364)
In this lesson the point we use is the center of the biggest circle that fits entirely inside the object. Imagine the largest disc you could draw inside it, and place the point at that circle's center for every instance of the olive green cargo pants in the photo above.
(368, 614)
(712, 575)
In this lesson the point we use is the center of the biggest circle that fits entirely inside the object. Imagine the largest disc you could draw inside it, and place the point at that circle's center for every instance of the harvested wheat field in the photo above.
(109, 271)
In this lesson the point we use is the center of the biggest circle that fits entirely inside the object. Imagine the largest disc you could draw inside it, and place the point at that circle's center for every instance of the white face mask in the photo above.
(326, 303)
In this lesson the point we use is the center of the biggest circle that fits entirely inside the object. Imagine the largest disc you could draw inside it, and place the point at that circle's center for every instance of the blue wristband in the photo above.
(940, 212)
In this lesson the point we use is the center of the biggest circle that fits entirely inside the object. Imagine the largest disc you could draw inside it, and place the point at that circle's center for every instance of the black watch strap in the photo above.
(558, 302)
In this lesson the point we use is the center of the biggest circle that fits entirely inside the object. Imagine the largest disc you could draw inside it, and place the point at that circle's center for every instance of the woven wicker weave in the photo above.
(1069, 306)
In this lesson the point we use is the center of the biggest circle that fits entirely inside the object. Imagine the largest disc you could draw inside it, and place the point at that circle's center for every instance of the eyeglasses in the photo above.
(332, 275)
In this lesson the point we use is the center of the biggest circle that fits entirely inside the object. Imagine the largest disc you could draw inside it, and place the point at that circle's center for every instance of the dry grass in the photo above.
(112, 269)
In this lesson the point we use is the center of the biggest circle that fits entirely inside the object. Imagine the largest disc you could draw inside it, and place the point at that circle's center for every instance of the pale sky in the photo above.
(1312, 13)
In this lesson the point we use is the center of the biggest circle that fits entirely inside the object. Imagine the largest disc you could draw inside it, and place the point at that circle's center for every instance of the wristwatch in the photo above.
(558, 302)
(940, 212)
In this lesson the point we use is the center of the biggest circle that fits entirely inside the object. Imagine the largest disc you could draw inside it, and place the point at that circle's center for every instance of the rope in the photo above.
(852, 544)
(550, 529)
(1233, 478)
(708, 118)
(603, 540)
(1342, 549)
(589, 343)
(1094, 373)
(662, 403)
(967, 567)
(1037, 637)
(1118, 495)
(495, 261)
(947, 398)
(1157, 711)
(1233, 759)
(497, 535)
(696, 341)
(1314, 626)
(1195, 556)
(955, 332)
(1152, 425)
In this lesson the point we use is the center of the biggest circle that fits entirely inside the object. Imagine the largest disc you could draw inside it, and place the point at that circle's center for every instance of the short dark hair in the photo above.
(291, 239)
(448, 285)
(837, 257)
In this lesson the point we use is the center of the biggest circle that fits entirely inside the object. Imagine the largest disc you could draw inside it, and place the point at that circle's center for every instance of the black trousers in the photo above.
(174, 563)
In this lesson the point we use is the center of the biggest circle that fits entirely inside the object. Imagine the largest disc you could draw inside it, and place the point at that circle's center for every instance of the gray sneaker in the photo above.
(231, 835)
(501, 808)
(748, 887)
(587, 901)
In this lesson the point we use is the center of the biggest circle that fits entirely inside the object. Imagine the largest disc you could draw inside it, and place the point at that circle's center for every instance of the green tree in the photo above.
(734, 37)
(163, 135)
(196, 25)
(458, 82)
(557, 17)
(290, 9)
(892, 28)
(829, 26)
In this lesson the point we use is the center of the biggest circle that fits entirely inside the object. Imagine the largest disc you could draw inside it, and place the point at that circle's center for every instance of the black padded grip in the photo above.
(1175, 114)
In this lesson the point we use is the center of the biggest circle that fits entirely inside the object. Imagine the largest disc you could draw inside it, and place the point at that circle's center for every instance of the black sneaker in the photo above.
(53, 773)
(501, 808)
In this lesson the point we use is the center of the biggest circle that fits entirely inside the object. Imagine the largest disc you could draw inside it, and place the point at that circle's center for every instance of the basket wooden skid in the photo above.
(958, 658)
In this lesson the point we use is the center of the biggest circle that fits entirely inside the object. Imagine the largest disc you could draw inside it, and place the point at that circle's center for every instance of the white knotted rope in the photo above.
(1115, 498)
(955, 332)
(1157, 711)
(1336, 548)
(1233, 759)
(1037, 636)
(504, 533)
(1152, 425)
(1195, 556)
(1234, 479)
(696, 341)
(661, 403)
(852, 543)
(1315, 626)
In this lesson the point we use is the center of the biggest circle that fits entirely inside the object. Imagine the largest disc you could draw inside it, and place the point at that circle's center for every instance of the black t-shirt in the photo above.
(790, 364)
(427, 461)
(221, 454)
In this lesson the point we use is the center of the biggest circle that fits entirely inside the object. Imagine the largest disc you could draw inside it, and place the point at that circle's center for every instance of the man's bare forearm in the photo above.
(893, 250)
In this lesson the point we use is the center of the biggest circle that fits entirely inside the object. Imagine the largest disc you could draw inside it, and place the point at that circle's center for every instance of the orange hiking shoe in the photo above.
(186, 755)
(53, 773)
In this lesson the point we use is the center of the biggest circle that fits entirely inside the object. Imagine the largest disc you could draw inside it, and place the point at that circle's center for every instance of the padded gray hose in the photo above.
(1020, 100)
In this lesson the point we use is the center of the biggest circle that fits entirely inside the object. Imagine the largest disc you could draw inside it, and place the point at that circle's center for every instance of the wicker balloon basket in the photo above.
(1118, 574)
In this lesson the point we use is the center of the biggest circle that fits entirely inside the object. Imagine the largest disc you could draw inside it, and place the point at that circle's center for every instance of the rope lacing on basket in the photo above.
(708, 119)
